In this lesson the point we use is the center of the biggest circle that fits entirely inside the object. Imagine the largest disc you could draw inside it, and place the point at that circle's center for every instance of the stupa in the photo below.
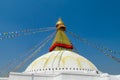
(61, 63)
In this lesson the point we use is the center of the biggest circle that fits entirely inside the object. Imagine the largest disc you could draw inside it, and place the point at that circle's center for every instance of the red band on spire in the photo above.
(60, 45)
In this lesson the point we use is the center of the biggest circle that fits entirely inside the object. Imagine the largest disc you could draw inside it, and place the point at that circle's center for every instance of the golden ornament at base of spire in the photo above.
(60, 25)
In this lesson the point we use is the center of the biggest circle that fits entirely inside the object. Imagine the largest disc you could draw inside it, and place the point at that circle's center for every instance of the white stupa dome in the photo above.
(60, 61)
(61, 58)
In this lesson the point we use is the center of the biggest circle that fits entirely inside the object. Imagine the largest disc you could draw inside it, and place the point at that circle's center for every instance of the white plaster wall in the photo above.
(64, 76)
(48, 78)
(20, 77)
(2, 78)
(114, 78)
(52, 77)
(78, 77)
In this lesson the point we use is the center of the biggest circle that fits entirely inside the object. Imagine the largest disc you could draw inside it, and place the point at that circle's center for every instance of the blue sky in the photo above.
(96, 20)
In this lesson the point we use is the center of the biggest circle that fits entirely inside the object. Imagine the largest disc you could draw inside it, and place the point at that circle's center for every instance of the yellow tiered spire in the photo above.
(61, 41)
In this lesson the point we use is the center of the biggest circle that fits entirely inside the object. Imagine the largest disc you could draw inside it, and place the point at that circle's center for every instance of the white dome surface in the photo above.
(60, 59)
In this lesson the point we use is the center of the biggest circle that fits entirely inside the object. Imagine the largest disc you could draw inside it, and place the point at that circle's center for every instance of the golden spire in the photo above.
(61, 41)
(59, 21)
